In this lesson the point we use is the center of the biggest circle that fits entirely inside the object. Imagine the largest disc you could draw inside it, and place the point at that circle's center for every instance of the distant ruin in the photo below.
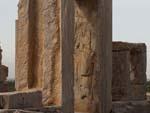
(3, 75)
(129, 71)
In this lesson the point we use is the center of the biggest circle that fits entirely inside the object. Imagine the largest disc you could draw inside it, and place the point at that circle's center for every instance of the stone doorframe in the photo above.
(104, 54)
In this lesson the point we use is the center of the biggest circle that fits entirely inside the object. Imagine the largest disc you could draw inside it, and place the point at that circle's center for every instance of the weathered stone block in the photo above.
(131, 107)
(3, 87)
(38, 52)
(38, 48)
(17, 111)
(138, 92)
(3, 73)
(121, 85)
(137, 60)
(21, 100)
(129, 70)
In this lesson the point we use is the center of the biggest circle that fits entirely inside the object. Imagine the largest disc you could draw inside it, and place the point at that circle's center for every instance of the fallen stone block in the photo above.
(21, 100)
(17, 111)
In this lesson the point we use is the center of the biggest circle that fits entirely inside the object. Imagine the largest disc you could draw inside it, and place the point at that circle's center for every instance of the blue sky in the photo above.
(131, 22)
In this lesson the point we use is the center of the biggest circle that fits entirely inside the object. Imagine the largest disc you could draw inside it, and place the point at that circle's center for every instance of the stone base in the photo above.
(21, 100)
(16, 111)
(52, 109)
(131, 107)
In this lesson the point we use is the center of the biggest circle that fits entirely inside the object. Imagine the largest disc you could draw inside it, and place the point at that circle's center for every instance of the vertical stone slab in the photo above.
(67, 34)
(22, 45)
(138, 63)
(38, 45)
(85, 53)
(138, 71)
(121, 84)
(92, 36)
(103, 69)
(52, 65)
(3, 73)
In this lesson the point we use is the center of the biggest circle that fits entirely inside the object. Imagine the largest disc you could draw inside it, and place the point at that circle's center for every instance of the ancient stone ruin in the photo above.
(3, 75)
(129, 71)
(65, 59)
(42, 49)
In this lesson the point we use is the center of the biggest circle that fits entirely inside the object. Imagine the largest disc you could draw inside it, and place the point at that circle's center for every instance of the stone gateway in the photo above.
(42, 39)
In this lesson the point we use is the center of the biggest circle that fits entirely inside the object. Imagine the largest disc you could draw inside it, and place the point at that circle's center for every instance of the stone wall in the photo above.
(129, 71)
(38, 53)
(38, 48)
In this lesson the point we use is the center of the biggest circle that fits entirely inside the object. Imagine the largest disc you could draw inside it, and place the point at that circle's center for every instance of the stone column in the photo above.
(38, 48)
(51, 61)
(22, 46)
(92, 57)
(67, 49)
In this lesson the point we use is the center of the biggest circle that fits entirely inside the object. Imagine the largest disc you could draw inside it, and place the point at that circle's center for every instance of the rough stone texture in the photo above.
(84, 55)
(86, 59)
(121, 85)
(3, 87)
(3, 73)
(134, 71)
(131, 107)
(138, 92)
(17, 111)
(19, 100)
(51, 109)
(38, 48)
(38, 56)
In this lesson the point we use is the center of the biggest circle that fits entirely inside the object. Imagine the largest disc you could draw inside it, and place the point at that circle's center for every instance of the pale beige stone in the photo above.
(87, 59)
(38, 53)
(38, 48)
(21, 100)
